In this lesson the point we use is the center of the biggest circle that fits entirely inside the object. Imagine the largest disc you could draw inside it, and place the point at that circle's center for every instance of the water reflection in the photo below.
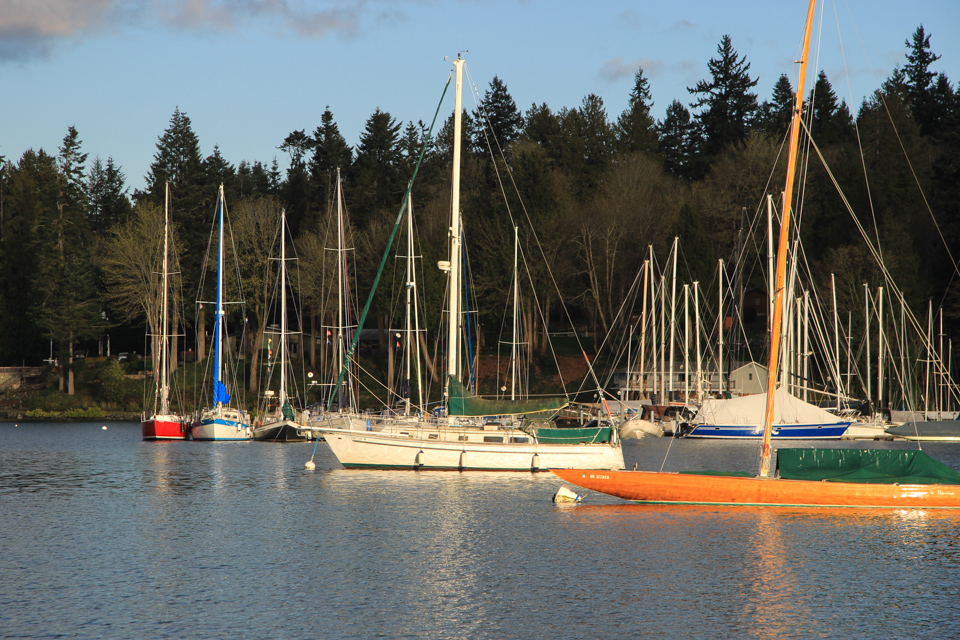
(237, 540)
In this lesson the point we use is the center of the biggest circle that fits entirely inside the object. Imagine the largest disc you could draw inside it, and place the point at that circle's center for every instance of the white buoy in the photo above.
(104, 427)
(309, 464)
(565, 495)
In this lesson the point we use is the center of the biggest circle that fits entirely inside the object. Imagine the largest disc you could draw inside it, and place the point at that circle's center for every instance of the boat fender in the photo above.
(535, 463)
(564, 495)
(419, 460)
(463, 460)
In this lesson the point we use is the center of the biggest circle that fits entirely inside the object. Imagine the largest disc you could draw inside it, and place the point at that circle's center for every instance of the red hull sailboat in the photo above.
(163, 425)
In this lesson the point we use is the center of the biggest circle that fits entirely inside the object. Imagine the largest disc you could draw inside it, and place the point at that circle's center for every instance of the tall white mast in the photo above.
(643, 329)
(164, 327)
(866, 311)
(720, 329)
(341, 289)
(673, 310)
(880, 345)
(453, 330)
(696, 324)
(283, 309)
(653, 324)
(770, 272)
(686, 343)
(806, 343)
(516, 301)
(836, 339)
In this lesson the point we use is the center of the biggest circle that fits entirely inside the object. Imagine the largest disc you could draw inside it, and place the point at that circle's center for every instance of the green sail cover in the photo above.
(462, 403)
(287, 411)
(877, 466)
(590, 435)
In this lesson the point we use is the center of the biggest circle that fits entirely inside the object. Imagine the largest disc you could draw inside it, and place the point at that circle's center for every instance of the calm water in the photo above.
(103, 535)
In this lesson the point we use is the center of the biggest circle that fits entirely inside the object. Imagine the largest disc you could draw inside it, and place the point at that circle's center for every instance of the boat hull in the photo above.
(282, 431)
(220, 429)
(415, 449)
(779, 432)
(164, 428)
(683, 488)
(928, 431)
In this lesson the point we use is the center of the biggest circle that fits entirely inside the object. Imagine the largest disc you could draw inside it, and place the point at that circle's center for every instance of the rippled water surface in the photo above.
(103, 535)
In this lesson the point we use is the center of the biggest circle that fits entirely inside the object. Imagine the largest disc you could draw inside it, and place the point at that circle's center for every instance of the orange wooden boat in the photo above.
(882, 479)
(691, 488)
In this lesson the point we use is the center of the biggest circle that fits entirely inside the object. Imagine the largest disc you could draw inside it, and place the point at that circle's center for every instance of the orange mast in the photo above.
(782, 248)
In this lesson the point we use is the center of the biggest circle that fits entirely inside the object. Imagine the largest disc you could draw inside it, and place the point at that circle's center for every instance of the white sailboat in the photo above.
(464, 439)
(162, 424)
(279, 421)
(222, 421)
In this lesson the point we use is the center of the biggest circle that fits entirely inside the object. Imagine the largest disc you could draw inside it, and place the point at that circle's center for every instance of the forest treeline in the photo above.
(79, 250)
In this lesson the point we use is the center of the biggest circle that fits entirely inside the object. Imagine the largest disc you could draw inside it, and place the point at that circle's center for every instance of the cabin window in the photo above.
(520, 440)
(433, 436)
(493, 438)
(749, 376)
(464, 438)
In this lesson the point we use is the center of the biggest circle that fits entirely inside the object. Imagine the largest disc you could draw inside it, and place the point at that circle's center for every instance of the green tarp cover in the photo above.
(287, 411)
(462, 403)
(574, 436)
(878, 466)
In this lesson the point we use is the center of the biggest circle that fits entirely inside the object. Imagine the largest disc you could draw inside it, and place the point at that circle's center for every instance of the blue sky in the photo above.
(248, 72)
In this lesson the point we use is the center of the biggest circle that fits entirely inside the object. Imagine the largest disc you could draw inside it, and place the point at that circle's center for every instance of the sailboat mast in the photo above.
(283, 308)
(164, 327)
(720, 327)
(342, 301)
(782, 247)
(409, 287)
(218, 330)
(516, 301)
(453, 327)
(643, 331)
(673, 311)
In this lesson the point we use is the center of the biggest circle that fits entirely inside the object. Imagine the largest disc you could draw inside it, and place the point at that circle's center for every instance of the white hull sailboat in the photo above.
(462, 447)
(464, 439)
(220, 421)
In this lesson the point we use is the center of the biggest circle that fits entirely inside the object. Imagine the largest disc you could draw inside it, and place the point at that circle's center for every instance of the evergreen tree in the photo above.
(542, 127)
(919, 80)
(499, 113)
(774, 115)
(678, 141)
(65, 279)
(106, 188)
(727, 108)
(832, 122)
(330, 152)
(376, 180)
(295, 192)
(178, 162)
(636, 128)
(697, 252)
(29, 197)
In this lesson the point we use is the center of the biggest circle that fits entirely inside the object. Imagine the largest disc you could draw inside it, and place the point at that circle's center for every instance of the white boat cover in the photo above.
(746, 410)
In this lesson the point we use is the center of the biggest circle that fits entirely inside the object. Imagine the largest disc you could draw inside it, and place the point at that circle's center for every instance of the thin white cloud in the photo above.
(617, 68)
(34, 28)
